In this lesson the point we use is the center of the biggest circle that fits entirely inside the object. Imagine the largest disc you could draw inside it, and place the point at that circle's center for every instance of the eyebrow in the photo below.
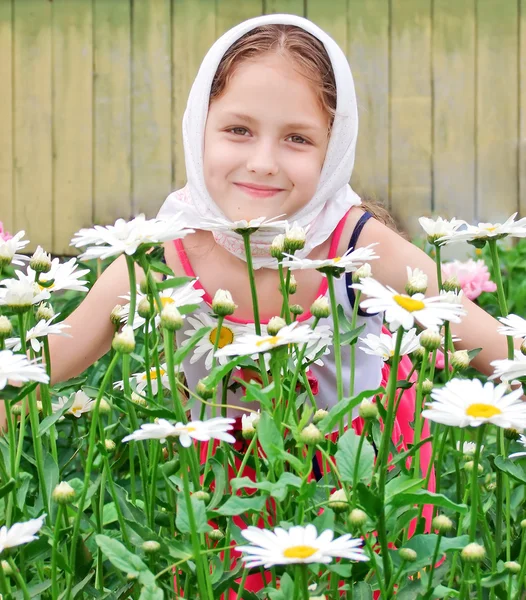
(297, 125)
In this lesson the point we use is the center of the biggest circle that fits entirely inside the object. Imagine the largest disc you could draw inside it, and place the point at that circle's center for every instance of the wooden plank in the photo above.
(32, 121)
(290, 7)
(112, 112)
(331, 17)
(151, 105)
(6, 117)
(497, 107)
(72, 120)
(231, 13)
(368, 52)
(454, 152)
(522, 109)
(193, 32)
(411, 135)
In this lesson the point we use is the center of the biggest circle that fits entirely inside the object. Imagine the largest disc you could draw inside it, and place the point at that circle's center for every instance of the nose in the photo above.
(263, 158)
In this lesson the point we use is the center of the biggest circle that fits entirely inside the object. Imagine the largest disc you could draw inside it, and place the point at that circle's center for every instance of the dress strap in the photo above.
(352, 244)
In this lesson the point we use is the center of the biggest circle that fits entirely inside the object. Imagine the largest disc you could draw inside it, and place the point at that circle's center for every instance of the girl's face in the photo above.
(265, 141)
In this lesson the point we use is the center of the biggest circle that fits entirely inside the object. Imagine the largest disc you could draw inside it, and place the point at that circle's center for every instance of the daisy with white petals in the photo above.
(42, 329)
(465, 402)
(9, 250)
(513, 325)
(261, 224)
(402, 310)
(436, 229)
(507, 369)
(383, 345)
(20, 294)
(521, 440)
(350, 261)
(296, 546)
(20, 533)
(486, 231)
(81, 404)
(141, 379)
(18, 369)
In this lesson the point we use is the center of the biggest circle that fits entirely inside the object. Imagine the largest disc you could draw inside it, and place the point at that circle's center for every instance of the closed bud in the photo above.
(418, 354)
(16, 409)
(357, 518)
(319, 415)
(460, 360)
(490, 482)
(361, 273)
(368, 410)
(137, 399)
(275, 324)
(171, 318)
(427, 386)
(512, 567)
(6, 329)
(202, 495)
(248, 425)
(523, 523)
(416, 282)
(143, 286)
(512, 434)
(6, 568)
(338, 501)
(451, 284)
(216, 535)
(44, 312)
(40, 262)
(430, 339)
(124, 342)
(223, 303)
(39, 406)
(109, 445)
(104, 407)
(468, 467)
(206, 392)
(407, 554)
(311, 435)
(442, 524)
(277, 247)
(144, 308)
(116, 315)
(473, 553)
(151, 546)
(296, 309)
(320, 308)
(295, 237)
(293, 285)
(63, 493)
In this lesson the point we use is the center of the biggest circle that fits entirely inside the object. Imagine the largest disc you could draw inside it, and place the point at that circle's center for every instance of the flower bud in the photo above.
(319, 415)
(6, 568)
(144, 308)
(368, 410)
(320, 308)
(143, 286)
(468, 467)
(311, 435)
(204, 391)
(295, 237)
(523, 346)
(104, 407)
(44, 312)
(361, 273)
(248, 425)
(427, 386)
(171, 318)
(277, 247)
(6, 329)
(151, 546)
(137, 399)
(216, 535)
(39, 406)
(407, 554)
(109, 445)
(296, 309)
(512, 434)
(275, 324)
(40, 262)
(523, 523)
(473, 553)
(223, 303)
(430, 339)
(442, 524)
(416, 282)
(16, 409)
(338, 501)
(512, 567)
(116, 315)
(63, 493)
(124, 342)
(451, 284)
(202, 495)
(293, 285)
(357, 518)
(418, 354)
(460, 360)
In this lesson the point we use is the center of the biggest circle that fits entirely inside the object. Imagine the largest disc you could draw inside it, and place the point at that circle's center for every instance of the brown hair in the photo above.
(310, 57)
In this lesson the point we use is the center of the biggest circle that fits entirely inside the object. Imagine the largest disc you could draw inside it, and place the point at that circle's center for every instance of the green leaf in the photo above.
(52, 419)
(5, 489)
(182, 520)
(401, 484)
(351, 337)
(347, 457)
(337, 412)
(124, 560)
(278, 490)
(182, 352)
(80, 585)
(369, 501)
(35, 591)
(160, 267)
(151, 592)
(219, 483)
(50, 473)
(236, 505)
(270, 438)
(512, 469)
(362, 591)
(215, 376)
(424, 545)
(173, 282)
(425, 497)
(495, 579)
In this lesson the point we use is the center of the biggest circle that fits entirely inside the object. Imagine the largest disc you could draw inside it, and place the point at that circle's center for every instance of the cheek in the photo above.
(219, 160)
(304, 170)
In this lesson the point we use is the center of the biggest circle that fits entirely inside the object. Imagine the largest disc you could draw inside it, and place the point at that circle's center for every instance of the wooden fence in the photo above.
(92, 94)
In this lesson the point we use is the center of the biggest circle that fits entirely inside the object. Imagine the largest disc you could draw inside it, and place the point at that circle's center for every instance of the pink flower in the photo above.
(4, 235)
(472, 275)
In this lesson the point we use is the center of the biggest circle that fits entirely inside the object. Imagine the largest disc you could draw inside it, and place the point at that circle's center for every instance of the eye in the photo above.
(238, 130)
(298, 139)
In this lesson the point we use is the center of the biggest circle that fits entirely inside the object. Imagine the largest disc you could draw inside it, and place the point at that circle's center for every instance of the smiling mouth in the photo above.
(258, 192)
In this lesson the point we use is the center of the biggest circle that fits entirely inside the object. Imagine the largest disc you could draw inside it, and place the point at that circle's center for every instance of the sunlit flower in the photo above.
(297, 545)
(485, 231)
(127, 236)
(10, 247)
(248, 424)
(141, 379)
(249, 344)
(507, 369)
(416, 281)
(438, 228)
(260, 224)
(81, 404)
(18, 369)
(513, 325)
(350, 261)
(521, 440)
(473, 276)
(402, 310)
(41, 329)
(203, 431)
(465, 402)
(383, 345)
(20, 294)
(20, 533)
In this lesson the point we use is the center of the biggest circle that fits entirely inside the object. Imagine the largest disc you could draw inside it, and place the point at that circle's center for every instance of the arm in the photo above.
(478, 329)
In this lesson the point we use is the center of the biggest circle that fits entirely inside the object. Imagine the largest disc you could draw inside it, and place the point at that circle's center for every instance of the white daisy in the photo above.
(402, 310)
(507, 369)
(141, 380)
(65, 276)
(42, 329)
(465, 402)
(185, 295)
(229, 334)
(297, 545)
(437, 229)
(468, 448)
(383, 345)
(159, 430)
(250, 344)
(260, 224)
(20, 294)
(513, 325)
(316, 346)
(522, 440)
(20, 533)
(248, 423)
(127, 236)
(350, 261)
(9, 249)
(485, 231)
(81, 404)
(18, 369)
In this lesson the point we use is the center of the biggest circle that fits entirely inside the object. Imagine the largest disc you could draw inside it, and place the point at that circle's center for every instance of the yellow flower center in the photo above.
(272, 340)
(226, 336)
(491, 229)
(409, 304)
(337, 259)
(49, 287)
(484, 411)
(300, 552)
(167, 300)
(153, 373)
(189, 428)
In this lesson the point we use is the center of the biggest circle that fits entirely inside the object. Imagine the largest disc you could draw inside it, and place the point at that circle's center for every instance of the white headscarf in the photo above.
(333, 197)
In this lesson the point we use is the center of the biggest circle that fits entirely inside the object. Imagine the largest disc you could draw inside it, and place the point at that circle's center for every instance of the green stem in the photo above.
(242, 584)
(19, 579)
(357, 296)
(304, 582)
(418, 413)
(433, 563)
(357, 462)
(336, 343)
(474, 485)
(497, 275)
(439, 265)
(285, 311)
(252, 281)
(54, 556)
(46, 401)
